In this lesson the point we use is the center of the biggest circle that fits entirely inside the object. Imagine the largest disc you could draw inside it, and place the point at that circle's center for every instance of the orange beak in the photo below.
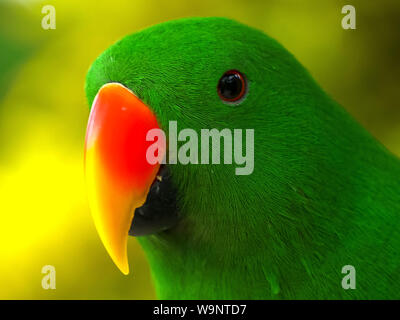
(118, 176)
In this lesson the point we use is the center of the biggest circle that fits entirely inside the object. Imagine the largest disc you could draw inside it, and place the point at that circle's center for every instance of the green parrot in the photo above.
(317, 218)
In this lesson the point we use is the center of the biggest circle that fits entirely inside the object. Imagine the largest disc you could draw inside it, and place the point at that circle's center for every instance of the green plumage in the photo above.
(324, 193)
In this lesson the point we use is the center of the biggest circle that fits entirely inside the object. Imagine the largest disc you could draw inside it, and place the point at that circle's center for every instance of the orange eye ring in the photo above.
(232, 86)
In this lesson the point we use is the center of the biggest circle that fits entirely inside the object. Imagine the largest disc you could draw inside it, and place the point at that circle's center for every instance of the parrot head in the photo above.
(202, 73)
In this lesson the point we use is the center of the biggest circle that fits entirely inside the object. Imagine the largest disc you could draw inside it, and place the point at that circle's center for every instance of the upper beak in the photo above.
(118, 176)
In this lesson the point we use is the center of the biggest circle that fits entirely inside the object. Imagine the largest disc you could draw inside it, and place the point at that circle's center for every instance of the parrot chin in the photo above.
(160, 211)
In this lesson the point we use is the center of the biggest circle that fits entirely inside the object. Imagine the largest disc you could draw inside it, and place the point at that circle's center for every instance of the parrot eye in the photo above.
(232, 86)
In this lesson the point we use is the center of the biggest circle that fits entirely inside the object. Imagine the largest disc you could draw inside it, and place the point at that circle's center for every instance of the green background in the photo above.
(44, 216)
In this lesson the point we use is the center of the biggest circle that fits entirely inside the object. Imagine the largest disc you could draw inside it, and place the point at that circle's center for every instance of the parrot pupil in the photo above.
(231, 86)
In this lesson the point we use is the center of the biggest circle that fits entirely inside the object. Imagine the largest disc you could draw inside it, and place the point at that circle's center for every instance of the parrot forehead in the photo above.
(175, 67)
(186, 56)
(190, 43)
(194, 30)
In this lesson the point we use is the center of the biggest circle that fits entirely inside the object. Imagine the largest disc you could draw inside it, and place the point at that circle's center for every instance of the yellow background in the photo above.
(44, 216)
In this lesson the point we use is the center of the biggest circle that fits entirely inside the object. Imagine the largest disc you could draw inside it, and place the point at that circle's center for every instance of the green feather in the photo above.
(324, 193)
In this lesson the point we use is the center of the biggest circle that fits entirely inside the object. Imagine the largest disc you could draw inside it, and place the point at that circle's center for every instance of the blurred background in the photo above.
(44, 215)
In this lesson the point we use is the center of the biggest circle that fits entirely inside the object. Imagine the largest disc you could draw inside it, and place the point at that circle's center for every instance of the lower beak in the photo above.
(118, 176)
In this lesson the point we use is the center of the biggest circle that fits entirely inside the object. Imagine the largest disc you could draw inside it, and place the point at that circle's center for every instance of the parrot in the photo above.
(317, 218)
